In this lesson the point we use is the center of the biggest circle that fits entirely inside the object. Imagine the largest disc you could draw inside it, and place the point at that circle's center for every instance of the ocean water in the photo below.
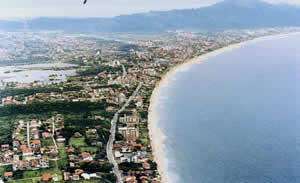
(235, 118)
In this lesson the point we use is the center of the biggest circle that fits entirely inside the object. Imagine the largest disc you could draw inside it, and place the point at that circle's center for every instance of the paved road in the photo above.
(109, 147)
(124, 72)
(53, 134)
(28, 134)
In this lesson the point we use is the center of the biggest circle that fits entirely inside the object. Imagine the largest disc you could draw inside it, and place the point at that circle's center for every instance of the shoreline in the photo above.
(156, 135)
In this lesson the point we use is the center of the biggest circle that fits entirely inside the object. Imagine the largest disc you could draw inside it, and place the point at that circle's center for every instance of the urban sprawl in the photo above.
(93, 126)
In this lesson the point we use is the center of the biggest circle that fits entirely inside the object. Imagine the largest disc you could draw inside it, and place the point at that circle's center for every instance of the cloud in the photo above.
(292, 2)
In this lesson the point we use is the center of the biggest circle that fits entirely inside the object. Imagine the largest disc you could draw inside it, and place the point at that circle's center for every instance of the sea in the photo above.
(235, 118)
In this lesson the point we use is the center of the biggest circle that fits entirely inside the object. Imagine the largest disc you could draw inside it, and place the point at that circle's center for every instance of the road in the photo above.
(124, 72)
(53, 134)
(28, 134)
(109, 147)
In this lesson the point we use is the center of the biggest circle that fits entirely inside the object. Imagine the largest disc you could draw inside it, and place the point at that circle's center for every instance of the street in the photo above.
(109, 147)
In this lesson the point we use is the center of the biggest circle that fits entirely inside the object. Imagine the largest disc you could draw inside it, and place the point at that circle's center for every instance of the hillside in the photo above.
(230, 14)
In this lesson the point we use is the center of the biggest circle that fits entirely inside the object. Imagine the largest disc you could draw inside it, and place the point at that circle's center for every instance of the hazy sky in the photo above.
(97, 8)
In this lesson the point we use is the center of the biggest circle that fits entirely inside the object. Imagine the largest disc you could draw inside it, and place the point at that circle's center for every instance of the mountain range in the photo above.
(228, 14)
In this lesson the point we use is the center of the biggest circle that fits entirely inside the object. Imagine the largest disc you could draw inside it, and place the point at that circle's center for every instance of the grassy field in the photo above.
(28, 180)
(60, 145)
(47, 142)
(63, 159)
(91, 150)
(5, 169)
(144, 134)
(38, 173)
(78, 142)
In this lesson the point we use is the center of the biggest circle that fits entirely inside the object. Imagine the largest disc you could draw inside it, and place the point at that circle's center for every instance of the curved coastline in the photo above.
(156, 135)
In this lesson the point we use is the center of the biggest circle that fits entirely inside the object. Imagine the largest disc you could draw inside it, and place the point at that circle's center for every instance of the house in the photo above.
(91, 133)
(146, 165)
(139, 101)
(8, 175)
(36, 144)
(161, 61)
(35, 133)
(47, 177)
(79, 171)
(70, 150)
(16, 158)
(20, 138)
(44, 162)
(144, 178)
(129, 132)
(66, 176)
(7, 159)
(77, 135)
(46, 135)
(86, 156)
(86, 176)
(16, 145)
(94, 175)
(75, 177)
(129, 119)
(21, 123)
(35, 124)
(110, 108)
(27, 152)
(8, 153)
(132, 181)
(121, 98)
(61, 139)
(5, 147)
(55, 178)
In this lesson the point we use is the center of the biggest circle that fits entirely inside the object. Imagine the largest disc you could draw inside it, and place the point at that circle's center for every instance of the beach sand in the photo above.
(156, 135)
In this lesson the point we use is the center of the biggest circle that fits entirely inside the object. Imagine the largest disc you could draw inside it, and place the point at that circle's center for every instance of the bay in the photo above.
(235, 118)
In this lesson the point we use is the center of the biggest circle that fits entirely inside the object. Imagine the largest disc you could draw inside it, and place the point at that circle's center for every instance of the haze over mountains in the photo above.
(229, 14)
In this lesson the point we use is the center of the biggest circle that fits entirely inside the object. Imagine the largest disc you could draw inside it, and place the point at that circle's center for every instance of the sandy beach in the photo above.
(156, 135)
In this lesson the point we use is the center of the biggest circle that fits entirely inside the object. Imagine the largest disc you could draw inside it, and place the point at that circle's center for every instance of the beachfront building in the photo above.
(129, 119)
(129, 132)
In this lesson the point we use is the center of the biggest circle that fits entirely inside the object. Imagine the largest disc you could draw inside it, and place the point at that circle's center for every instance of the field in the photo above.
(78, 142)
(91, 150)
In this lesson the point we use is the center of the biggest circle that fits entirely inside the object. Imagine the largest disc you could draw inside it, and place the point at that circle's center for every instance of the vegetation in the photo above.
(98, 69)
(31, 91)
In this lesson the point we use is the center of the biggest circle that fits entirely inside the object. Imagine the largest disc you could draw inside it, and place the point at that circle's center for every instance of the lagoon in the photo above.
(34, 72)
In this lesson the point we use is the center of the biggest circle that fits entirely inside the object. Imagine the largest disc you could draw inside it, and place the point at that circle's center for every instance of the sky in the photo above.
(98, 8)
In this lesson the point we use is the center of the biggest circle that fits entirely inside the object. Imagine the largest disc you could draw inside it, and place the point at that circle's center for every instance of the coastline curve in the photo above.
(157, 137)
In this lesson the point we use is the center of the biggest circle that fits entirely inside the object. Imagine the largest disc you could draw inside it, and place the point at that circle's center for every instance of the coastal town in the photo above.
(93, 126)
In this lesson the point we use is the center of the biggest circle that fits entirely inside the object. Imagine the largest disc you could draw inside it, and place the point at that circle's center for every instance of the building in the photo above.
(129, 119)
(47, 177)
(8, 175)
(129, 132)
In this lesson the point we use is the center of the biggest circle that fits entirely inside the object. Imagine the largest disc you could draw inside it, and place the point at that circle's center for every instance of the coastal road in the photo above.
(28, 134)
(109, 147)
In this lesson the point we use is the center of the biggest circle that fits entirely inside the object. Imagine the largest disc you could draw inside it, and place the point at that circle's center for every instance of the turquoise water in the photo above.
(236, 117)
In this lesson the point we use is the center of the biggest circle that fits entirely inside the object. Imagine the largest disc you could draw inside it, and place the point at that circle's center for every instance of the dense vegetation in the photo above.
(98, 69)
(32, 91)
(63, 107)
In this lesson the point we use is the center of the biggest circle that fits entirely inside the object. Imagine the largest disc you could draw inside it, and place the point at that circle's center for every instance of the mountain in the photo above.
(229, 14)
